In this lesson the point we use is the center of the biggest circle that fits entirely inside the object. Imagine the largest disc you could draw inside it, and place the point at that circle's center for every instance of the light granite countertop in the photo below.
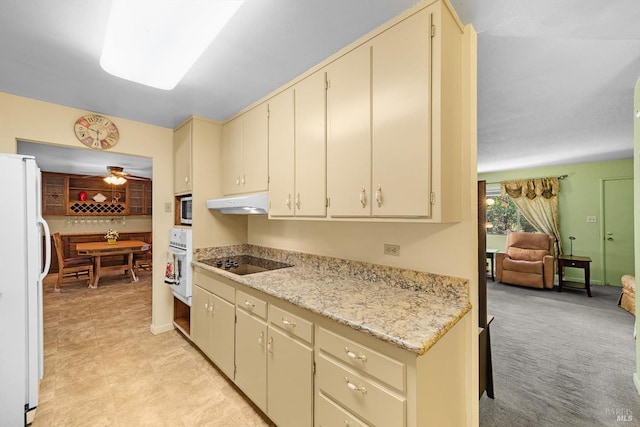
(410, 309)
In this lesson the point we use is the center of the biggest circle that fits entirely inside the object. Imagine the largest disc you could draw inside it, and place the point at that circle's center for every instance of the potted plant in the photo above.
(111, 236)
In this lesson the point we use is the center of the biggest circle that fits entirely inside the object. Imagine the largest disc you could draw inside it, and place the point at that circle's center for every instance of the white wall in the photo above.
(37, 121)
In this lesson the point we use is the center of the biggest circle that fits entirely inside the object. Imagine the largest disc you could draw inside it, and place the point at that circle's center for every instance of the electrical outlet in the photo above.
(591, 218)
(167, 207)
(391, 249)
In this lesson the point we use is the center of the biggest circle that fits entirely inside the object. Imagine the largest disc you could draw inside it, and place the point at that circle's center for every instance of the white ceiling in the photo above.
(555, 78)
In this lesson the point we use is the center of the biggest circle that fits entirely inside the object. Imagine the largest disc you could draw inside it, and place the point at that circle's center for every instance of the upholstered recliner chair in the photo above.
(528, 260)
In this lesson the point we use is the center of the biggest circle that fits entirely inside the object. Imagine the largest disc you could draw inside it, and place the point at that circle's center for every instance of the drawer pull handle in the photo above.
(354, 387)
(353, 356)
(288, 323)
(249, 304)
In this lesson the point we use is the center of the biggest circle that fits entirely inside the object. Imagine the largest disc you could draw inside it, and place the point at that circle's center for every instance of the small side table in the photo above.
(574, 261)
(491, 255)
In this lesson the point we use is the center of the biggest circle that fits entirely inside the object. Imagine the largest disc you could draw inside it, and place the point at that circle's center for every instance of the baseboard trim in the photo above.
(636, 382)
(155, 330)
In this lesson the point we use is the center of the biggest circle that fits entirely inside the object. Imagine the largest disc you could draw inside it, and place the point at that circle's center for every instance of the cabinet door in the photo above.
(54, 198)
(290, 380)
(251, 358)
(201, 319)
(232, 156)
(136, 198)
(281, 154)
(182, 159)
(349, 134)
(255, 149)
(311, 148)
(401, 119)
(222, 334)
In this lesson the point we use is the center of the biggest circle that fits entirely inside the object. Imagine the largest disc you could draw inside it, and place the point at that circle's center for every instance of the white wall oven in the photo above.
(178, 271)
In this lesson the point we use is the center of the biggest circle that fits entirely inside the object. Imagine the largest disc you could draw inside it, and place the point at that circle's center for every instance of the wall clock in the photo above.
(96, 131)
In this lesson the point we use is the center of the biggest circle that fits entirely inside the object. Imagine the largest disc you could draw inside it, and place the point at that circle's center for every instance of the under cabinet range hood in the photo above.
(243, 204)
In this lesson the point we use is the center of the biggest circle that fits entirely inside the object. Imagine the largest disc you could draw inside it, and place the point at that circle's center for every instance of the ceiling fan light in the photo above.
(155, 43)
(114, 180)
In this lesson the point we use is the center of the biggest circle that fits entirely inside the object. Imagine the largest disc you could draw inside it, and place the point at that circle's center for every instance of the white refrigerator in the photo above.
(24, 265)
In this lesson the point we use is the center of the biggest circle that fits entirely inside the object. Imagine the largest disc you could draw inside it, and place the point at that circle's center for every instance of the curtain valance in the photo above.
(531, 188)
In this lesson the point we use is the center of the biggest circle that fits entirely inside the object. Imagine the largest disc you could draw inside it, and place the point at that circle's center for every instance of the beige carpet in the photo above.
(103, 367)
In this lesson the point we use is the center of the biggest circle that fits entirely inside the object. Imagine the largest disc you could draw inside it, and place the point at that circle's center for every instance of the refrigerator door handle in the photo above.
(47, 247)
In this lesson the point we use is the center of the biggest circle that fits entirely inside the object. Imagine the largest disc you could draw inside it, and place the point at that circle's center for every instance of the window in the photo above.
(503, 215)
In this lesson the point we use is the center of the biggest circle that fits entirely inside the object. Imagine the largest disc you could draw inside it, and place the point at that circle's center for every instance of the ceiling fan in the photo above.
(117, 176)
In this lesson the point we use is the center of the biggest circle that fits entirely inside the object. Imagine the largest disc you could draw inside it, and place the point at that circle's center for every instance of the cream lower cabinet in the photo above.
(251, 348)
(302, 369)
(274, 361)
(289, 369)
(213, 321)
(358, 384)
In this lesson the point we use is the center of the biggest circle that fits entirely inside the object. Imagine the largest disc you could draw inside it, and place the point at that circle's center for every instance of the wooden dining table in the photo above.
(122, 247)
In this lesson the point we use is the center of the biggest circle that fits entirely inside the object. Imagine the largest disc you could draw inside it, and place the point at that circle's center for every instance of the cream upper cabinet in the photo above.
(232, 156)
(310, 155)
(245, 152)
(394, 111)
(281, 154)
(182, 170)
(297, 150)
(349, 134)
(401, 112)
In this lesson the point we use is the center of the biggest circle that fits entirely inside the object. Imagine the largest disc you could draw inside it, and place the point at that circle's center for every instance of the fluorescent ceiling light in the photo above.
(155, 42)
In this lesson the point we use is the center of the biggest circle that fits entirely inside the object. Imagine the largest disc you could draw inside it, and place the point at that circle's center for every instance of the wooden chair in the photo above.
(71, 269)
(143, 260)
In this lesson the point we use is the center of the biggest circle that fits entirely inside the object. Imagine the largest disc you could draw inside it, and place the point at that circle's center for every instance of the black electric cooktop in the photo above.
(244, 264)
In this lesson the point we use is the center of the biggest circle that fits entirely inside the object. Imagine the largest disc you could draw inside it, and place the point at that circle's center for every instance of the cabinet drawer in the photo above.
(366, 399)
(251, 304)
(363, 359)
(290, 323)
(205, 281)
(330, 414)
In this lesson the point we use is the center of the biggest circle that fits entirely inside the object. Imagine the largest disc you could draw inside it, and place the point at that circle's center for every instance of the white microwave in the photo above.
(186, 204)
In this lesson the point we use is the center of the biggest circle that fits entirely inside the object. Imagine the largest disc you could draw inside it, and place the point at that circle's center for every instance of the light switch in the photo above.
(167, 207)
(591, 218)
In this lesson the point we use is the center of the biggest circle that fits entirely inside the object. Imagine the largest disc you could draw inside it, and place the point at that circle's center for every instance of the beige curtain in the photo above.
(537, 199)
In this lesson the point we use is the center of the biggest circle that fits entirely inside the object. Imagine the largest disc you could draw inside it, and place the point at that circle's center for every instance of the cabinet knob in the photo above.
(298, 200)
(288, 202)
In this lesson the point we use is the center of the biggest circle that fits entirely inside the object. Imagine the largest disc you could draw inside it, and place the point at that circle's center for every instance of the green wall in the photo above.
(580, 196)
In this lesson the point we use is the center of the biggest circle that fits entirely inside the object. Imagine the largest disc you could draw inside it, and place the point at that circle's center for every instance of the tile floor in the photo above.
(103, 367)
